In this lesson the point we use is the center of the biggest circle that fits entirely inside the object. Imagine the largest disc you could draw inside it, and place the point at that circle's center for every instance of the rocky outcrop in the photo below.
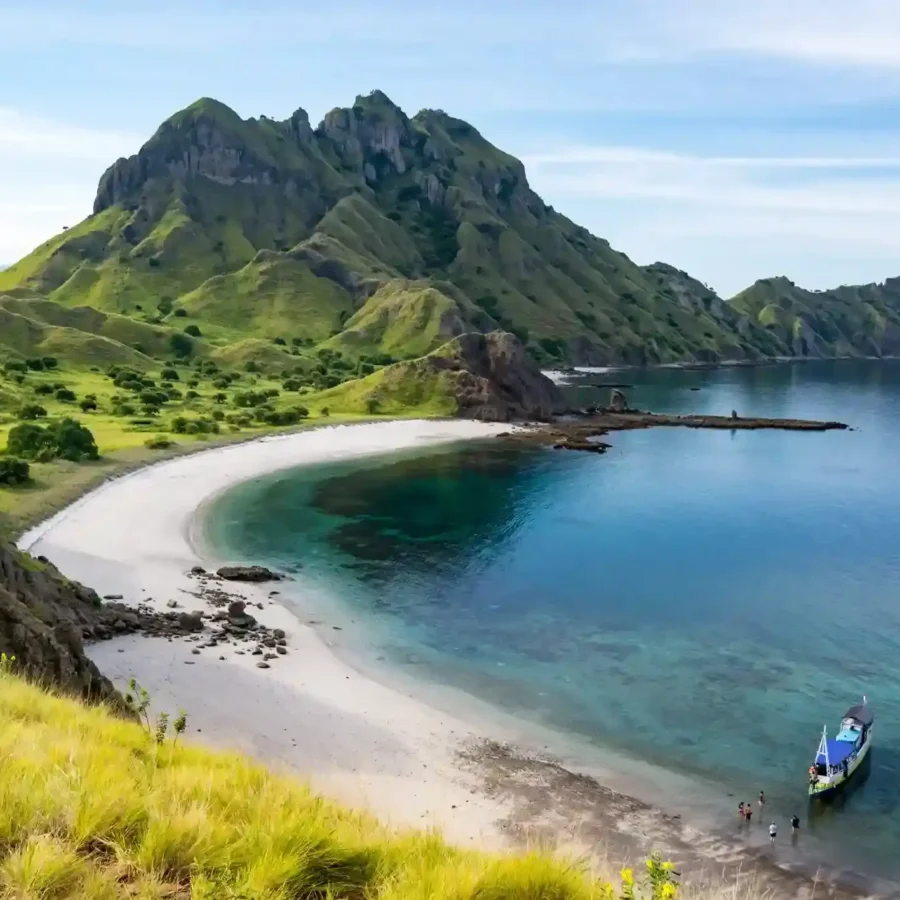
(253, 574)
(43, 619)
(495, 380)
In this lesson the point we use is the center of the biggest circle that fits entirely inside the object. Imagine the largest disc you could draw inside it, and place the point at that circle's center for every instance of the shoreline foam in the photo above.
(361, 741)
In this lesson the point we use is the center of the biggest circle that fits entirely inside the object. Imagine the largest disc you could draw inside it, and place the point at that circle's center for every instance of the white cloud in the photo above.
(25, 135)
(811, 217)
(865, 33)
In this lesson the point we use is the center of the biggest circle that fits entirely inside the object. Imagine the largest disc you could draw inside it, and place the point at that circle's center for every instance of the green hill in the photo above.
(379, 235)
(861, 320)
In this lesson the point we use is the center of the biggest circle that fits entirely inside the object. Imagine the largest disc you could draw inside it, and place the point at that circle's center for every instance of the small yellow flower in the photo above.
(627, 876)
(668, 891)
(668, 866)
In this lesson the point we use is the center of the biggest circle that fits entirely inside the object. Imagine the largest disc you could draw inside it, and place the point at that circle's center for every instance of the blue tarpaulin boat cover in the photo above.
(838, 751)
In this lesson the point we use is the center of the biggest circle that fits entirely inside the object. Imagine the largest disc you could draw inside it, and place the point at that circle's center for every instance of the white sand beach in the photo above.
(355, 739)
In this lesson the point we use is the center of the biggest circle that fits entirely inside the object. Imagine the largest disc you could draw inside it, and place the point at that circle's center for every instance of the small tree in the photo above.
(168, 374)
(180, 344)
(192, 330)
(32, 411)
(89, 403)
(13, 471)
(64, 395)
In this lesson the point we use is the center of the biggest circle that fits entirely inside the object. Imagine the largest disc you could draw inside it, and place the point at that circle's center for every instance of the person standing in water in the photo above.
(748, 812)
(762, 800)
(773, 831)
(741, 809)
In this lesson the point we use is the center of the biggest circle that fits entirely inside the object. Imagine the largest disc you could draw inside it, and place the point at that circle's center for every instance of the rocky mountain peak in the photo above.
(374, 136)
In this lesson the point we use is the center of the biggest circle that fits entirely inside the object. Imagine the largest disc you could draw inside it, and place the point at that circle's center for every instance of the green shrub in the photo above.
(169, 374)
(15, 365)
(43, 390)
(280, 341)
(160, 442)
(66, 439)
(64, 395)
(192, 330)
(180, 313)
(13, 470)
(89, 403)
(180, 344)
(36, 364)
(32, 411)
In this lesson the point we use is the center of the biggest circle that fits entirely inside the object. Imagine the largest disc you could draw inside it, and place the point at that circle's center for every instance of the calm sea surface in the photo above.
(703, 601)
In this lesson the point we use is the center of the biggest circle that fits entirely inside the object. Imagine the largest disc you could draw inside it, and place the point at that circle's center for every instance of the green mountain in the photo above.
(380, 236)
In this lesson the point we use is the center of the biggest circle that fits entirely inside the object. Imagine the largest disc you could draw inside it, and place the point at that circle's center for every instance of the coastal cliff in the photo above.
(44, 619)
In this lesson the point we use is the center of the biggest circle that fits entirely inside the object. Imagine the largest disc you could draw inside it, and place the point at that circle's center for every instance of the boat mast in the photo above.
(823, 747)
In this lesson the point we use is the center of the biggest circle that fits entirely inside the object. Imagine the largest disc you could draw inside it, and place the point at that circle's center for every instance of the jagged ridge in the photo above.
(376, 232)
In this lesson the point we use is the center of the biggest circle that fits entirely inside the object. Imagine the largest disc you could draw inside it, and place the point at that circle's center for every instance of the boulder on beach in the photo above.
(255, 574)
(191, 621)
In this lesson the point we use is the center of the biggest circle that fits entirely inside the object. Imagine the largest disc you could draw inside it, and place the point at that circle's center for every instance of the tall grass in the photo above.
(92, 807)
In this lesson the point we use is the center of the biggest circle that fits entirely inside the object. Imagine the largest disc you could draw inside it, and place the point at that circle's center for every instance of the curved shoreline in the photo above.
(365, 742)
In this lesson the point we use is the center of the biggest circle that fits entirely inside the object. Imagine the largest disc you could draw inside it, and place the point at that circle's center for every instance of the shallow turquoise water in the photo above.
(701, 600)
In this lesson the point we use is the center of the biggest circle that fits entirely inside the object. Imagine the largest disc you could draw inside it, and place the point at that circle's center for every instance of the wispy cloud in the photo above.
(22, 134)
(865, 33)
(721, 215)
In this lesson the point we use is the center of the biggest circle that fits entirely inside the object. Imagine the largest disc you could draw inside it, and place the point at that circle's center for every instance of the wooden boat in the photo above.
(837, 759)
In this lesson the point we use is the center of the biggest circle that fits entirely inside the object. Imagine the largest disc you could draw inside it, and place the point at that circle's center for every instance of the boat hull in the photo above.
(828, 785)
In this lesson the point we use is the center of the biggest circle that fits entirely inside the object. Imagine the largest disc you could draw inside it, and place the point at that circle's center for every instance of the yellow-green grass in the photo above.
(91, 807)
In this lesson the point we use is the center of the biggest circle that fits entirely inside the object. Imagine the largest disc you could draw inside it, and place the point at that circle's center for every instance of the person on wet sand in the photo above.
(773, 832)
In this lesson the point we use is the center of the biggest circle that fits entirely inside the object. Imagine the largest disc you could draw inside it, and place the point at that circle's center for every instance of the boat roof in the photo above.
(863, 714)
(838, 751)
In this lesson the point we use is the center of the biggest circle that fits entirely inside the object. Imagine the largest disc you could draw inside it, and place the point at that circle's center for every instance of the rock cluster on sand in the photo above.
(45, 620)
(253, 574)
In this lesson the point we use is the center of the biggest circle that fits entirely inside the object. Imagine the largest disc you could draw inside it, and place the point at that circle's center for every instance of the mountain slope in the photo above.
(380, 233)
(847, 321)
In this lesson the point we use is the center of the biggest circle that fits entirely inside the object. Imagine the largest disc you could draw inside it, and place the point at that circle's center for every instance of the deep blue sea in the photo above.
(702, 601)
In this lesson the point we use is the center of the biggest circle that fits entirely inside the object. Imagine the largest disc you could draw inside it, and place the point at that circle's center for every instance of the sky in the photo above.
(735, 139)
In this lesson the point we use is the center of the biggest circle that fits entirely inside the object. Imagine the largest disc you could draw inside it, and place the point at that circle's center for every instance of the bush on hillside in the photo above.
(160, 442)
(180, 313)
(32, 411)
(64, 395)
(66, 439)
(14, 365)
(180, 344)
(36, 364)
(14, 471)
(192, 330)
(89, 403)
(169, 374)
(43, 390)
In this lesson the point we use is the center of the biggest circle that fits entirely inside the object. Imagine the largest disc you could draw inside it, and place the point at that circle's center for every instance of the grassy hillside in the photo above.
(847, 321)
(93, 807)
(380, 234)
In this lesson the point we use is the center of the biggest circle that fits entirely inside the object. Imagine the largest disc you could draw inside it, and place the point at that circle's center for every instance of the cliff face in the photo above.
(496, 381)
(43, 621)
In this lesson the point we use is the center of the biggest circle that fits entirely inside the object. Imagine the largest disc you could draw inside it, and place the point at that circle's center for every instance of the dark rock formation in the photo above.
(495, 380)
(43, 619)
(253, 574)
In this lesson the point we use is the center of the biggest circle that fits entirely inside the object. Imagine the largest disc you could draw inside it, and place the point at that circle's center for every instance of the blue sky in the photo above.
(736, 139)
